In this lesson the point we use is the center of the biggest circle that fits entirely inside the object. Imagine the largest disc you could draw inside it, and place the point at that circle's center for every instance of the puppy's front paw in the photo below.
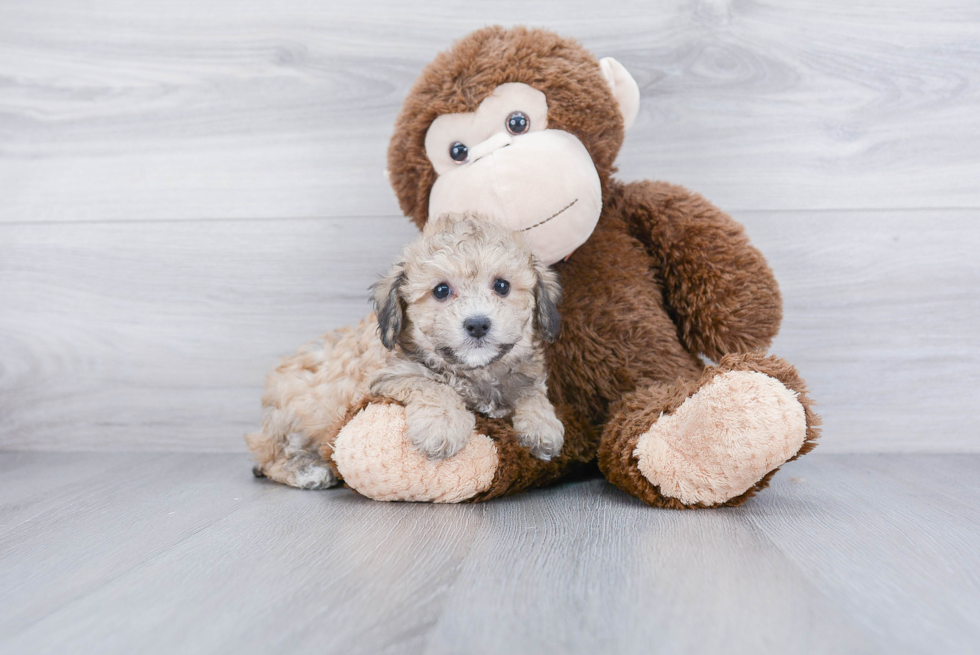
(543, 434)
(438, 432)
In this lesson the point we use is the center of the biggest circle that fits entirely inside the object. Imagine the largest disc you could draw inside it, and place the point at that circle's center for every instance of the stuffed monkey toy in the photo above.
(524, 125)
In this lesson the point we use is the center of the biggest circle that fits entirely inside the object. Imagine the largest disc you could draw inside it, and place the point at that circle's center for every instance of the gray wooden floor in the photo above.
(186, 553)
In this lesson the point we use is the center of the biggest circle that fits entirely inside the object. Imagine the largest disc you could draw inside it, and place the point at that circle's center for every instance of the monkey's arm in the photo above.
(717, 286)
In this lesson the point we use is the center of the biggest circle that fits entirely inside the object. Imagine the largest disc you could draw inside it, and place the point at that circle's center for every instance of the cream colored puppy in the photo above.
(461, 320)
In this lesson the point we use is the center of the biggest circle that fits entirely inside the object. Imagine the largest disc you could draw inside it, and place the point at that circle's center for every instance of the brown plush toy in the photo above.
(524, 125)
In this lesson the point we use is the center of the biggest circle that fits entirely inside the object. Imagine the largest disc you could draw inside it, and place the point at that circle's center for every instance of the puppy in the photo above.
(458, 327)
(463, 315)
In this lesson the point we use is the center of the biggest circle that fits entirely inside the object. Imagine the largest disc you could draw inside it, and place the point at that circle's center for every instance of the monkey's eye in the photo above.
(518, 123)
(459, 153)
(501, 287)
(441, 291)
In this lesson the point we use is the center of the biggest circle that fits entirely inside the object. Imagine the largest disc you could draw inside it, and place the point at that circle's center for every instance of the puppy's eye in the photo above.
(518, 123)
(501, 287)
(441, 291)
(459, 153)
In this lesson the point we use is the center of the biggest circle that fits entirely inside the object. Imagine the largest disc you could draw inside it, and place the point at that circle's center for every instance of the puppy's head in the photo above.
(467, 292)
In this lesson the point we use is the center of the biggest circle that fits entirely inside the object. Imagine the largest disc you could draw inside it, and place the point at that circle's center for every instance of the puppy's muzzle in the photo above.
(477, 326)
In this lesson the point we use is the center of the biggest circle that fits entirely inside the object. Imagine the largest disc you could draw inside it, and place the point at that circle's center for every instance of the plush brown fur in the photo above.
(665, 278)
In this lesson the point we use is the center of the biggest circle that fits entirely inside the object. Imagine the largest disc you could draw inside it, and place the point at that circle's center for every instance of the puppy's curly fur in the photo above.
(477, 349)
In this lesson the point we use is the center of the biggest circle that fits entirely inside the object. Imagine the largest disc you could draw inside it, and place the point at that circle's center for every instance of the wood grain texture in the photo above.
(884, 531)
(27, 494)
(157, 336)
(187, 553)
(75, 546)
(141, 310)
(632, 580)
(881, 310)
(257, 109)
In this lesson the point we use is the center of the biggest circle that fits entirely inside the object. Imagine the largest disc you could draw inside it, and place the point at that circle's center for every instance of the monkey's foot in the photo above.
(375, 458)
(723, 439)
(712, 442)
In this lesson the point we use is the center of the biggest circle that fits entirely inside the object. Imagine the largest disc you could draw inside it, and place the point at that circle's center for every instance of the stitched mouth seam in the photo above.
(550, 217)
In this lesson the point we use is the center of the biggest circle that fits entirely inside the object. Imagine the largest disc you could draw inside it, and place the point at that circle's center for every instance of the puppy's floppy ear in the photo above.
(388, 304)
(547, 294)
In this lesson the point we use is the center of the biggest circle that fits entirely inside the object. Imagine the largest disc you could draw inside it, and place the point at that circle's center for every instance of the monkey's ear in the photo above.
(624, 88)
(547, 294)
(388, 304)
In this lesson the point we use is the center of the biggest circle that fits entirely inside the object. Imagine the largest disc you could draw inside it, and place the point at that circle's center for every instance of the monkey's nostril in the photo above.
(477, 326)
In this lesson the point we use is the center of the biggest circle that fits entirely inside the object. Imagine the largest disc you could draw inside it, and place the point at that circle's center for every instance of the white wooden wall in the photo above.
(189, 189)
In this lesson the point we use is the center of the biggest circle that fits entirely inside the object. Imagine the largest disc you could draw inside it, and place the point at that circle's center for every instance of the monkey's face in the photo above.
(520, 125)
(503, 161)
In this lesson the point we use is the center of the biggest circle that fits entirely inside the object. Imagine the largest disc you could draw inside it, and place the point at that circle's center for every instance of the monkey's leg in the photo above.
(376, 459)
(715, 441)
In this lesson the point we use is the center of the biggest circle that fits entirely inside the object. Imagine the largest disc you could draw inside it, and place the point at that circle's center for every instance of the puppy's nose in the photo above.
(477, 326)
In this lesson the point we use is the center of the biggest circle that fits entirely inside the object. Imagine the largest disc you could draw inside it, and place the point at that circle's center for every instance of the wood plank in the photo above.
(897, 551)
(187, 553)
(29, 493)
(880, 316)
(246, 109)
(104, 529)
(157, 336)
(287, 571)
(588, 569)
(946, 479)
